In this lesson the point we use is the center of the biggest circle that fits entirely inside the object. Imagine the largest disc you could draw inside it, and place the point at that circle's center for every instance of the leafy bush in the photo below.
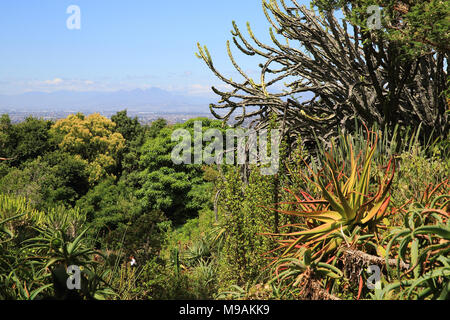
(417, 172)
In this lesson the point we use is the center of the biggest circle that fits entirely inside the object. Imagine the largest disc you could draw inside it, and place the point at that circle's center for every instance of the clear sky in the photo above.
(121, 44)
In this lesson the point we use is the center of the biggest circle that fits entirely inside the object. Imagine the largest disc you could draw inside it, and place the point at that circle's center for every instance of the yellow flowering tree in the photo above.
(91, 138)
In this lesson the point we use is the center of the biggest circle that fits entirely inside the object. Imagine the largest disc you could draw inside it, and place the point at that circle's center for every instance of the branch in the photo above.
(320, 293)
(348, 75)
(370, 259)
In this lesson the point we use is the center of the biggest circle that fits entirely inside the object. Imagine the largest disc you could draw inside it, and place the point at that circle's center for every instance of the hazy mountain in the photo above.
(149, 100)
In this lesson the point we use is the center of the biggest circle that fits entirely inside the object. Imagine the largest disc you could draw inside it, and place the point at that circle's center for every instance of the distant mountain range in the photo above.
(138, 100)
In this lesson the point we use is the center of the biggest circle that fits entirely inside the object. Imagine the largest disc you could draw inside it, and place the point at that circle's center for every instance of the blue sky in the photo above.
(121, 44)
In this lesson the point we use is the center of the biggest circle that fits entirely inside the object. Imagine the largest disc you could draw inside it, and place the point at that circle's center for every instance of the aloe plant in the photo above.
(199, 250)
(4, 228)
(346, 213)
(424, 242)
(54, 247)
(21, 290)
(19, 278)
(347, 201)
(36, 267)
(295, 275)
(12, 206)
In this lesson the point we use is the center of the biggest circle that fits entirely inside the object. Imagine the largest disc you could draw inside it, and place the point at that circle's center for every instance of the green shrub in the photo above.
(416, 172)
(244, 220)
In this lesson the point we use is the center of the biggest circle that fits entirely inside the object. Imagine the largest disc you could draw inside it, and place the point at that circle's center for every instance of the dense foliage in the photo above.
(362, 185)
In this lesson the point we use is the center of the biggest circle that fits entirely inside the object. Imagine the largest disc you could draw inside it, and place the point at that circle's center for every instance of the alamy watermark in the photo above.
(73, 22)
(374, 281)
(74, 280)
(374, 20)
(239, 146)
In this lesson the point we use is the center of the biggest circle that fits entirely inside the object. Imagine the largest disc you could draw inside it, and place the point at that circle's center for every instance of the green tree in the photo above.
(25, 140)
(7, 144)
(156, 127)
(418, 25)
(93, 139)
(33, 139)
(8, 138)
(107, 205)
(178, 190)
(71, 177)
(45, 181)
(129, 128)
(134, 134)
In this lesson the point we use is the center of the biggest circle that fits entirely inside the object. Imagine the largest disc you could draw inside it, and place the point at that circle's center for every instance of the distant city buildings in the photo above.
(144, 117)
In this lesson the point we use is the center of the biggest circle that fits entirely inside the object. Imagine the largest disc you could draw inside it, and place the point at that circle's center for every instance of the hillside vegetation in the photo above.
(357, 209)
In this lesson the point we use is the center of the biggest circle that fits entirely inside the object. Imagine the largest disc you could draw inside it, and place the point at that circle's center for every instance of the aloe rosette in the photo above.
(346, 202)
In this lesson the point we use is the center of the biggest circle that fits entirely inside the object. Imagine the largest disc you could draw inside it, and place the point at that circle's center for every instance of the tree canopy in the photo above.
(418, 25)
(179, 190)
(93, 139)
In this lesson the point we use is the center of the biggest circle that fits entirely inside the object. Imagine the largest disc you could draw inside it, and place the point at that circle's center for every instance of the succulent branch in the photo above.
(348, 71)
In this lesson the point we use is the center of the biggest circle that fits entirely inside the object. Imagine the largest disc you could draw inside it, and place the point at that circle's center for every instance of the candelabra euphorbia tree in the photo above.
(343, 68)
